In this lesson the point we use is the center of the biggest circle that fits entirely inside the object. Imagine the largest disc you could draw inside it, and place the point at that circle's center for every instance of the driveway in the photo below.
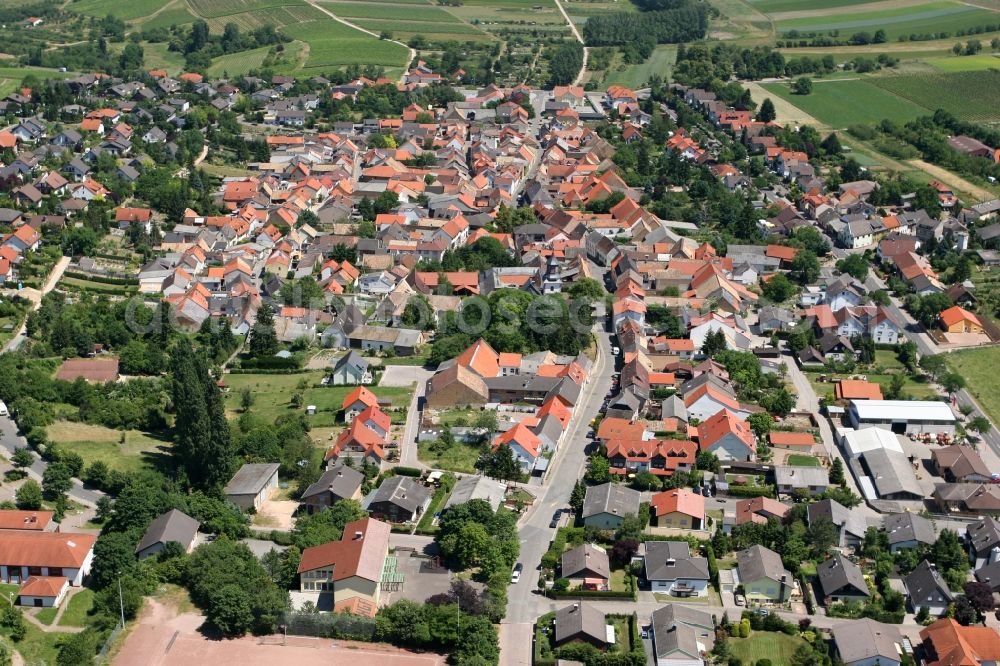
(408, 375)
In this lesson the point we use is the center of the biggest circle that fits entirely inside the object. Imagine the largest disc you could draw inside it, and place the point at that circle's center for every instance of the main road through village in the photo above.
(566, 467)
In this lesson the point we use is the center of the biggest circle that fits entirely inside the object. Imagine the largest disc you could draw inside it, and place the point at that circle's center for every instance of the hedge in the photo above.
(806, 594)
(258, 371)
(408, 471)
(103, 279)
(751, 491)
(271, 363)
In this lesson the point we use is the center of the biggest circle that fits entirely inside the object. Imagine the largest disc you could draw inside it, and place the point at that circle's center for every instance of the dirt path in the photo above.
(786, 112)
(950, 179)
(579, 38)
(411, 57)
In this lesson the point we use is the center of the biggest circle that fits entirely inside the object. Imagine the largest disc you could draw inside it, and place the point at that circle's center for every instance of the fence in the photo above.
(102, 656)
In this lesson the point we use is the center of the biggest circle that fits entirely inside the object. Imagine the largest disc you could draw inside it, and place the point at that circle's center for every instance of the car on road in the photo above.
(3, 409)
(616, 350)
(516, 575)
(738, 598)
(554, 523)
(706, 491)
(645, 632)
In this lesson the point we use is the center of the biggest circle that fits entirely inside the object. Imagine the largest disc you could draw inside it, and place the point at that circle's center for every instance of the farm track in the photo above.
(579, 38)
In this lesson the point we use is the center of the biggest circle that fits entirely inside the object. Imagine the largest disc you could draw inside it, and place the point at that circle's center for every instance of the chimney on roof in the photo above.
(359, 535)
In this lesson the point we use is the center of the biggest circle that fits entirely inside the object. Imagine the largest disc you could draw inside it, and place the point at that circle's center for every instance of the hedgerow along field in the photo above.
(972, 96)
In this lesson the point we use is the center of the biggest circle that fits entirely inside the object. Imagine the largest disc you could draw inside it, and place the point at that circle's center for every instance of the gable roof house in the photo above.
(350, 369)
(947, 643)
(252, 484)
(682, 635)
(908, 530)
(671, 568)
(605, 506)
(960, 464)
(983, 539)
(678, 508)
(582, 623)
(53, 554)
(840, 579)
(763, 576)
(926, 588)
(586, 566)
(174, 526)
(866, 642)
(337, 483)
(399, 499)
(852, 524)
(727, 436)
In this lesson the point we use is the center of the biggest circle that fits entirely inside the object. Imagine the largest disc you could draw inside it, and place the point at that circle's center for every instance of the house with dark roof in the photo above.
(351, 369)
(349, 570)
(840, 579)
(960, 464)
(682, 635)
(763, 576)
(477, 487)
(252, 484)
(851, 524)
(925, 588)
(174, 525)
(605, 506)
(399, 499)
(582, 623)
(337, 483)
(671, 568)
(983, 539)
(586, 566)
(866, 642)
(908, 530)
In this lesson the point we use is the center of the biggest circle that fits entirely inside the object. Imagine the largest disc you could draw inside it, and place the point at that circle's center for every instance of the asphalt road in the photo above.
(567, 466)
(10, 439)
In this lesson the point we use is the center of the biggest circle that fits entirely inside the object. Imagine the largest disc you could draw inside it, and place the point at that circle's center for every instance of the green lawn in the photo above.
(965, 63)
(660, 62)
(332, 43)
(46, 615)
(801, 460)
(80, 604)
(978, 366)
(459, 458)
(123, 10)
(773, 645)
(841, 104)
(272, 394)
(37, 646)
(914, 386)
(93, 443)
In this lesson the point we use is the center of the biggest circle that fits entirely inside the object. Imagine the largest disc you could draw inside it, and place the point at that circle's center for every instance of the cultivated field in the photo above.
(973, 96)
(635, 76)
(978, 366)
(976, 63)
(332, 44)
(916, 19)
(840, 104)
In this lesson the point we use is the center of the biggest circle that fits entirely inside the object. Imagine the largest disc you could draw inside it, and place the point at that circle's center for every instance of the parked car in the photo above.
(555, 519)
(738, 598)
(645, 632)
(3, 409)
(516, 575)
(706, 491)
(616, 350)
(763, 612)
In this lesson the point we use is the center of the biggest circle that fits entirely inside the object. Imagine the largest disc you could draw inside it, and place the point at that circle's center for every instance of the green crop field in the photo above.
(169, 17)
(972, 96)
(235, 64)
(776, 6)
(840, 104)
(458, 31)
(123, 10)
(332, 44)
(976, 63)
(216, 8)
(384, 11)
(930, 17)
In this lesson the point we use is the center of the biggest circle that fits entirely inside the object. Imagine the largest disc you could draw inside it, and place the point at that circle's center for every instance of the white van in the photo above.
(3, 409)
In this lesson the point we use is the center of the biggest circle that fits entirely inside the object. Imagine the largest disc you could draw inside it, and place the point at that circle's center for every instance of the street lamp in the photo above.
(121, 603)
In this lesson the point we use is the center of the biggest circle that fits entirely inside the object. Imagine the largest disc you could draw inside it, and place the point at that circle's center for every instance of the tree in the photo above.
(802, 86)
(577, 496)
(778, 288)
(77, 649)
(263, 339)
(766, 112)
(586, 289)
(933, 365)
(202, 442)
(246, 399)
(714, 343)
(837, 472)
(805, 267)
(500, 464)
(114, 555)
(623, 551)
(22, 458)
(854, 265)
(980, 424)
(598, 469)
(953, 382)
(821, 536)
(57, 480)
(29, 496)
(980, 596)
(760, 423)
(964, 613)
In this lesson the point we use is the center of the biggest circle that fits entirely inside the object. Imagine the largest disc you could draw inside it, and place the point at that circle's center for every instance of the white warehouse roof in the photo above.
(858, 442)
(902, 410)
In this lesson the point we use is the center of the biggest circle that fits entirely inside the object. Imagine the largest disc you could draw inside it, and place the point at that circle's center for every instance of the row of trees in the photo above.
(686, 21)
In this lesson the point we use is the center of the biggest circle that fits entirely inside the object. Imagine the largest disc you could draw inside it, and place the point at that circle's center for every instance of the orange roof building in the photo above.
(678, 508)
(857, 389)
(959, 320)
(31, 521)
(791, 440)
(357, 401)
(350, 568)
(760, 510)
(727, 436)
(947, 643)
(69, 554)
